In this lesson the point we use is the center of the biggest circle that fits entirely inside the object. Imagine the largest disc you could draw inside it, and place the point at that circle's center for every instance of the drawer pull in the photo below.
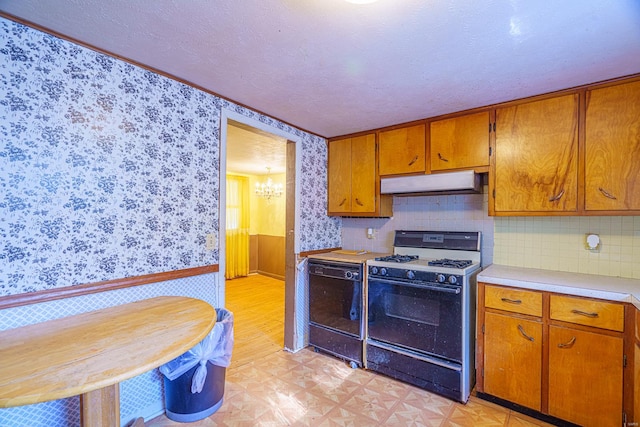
(342, 202)
(511, 301)
(584, 313)
(415, 159)
(524, 334)
(568, 344)
(358, 202)
(442, 158)
(557, 196)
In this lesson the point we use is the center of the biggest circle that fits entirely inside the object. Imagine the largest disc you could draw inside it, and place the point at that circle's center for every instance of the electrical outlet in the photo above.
(211, 242)
(592, 242)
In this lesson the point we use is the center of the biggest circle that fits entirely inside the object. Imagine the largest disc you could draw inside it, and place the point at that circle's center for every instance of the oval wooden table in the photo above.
(91, 353)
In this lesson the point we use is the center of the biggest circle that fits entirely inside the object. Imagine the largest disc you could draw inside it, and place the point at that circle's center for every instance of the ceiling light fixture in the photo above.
(269, 189)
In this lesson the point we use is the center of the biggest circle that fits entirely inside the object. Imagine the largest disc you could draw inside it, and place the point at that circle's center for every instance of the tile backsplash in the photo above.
(549, 243)
(558, 243)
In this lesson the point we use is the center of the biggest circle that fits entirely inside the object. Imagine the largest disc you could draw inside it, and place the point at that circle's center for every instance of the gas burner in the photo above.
(451, 263)
(398, 258)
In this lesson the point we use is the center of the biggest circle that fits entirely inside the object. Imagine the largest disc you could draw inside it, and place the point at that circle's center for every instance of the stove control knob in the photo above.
(374, 270)
(453, 280)
(411, 275)
(440, 278)
(383, 271)
(348, 275)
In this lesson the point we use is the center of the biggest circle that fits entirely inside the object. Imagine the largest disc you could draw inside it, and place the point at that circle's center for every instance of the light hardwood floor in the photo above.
(257, 304)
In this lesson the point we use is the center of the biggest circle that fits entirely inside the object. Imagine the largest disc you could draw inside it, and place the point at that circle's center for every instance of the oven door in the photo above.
(336, 304)
(422, 317)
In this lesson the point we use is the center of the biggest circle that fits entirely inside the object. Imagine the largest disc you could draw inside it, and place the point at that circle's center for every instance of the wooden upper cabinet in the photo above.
(460, 142)
(402, 150)
(352, 179)
(612, 154)
(363, 173)
(536, 157)
(339, 175)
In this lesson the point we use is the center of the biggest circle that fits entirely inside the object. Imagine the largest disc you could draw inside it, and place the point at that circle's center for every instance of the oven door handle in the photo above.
(438, 288)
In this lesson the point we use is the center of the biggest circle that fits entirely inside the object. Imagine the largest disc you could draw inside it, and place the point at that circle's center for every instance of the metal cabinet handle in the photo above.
(342, 202)
(557, 196)
(442, 158)
(607, 194)
(584, 313)
(359, 202)
(415, 159)
(524, 334)
(512, 301)
(568, 344)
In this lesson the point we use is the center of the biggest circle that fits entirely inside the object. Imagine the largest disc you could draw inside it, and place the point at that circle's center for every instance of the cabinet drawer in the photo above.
(599, 314)
(513, 299)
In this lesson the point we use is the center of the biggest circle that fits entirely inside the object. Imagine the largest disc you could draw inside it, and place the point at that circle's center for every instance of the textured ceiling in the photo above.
(332, 67)
(252, 151)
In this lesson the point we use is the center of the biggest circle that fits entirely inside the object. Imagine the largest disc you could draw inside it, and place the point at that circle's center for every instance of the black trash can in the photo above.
(187, 398)
(186, 407)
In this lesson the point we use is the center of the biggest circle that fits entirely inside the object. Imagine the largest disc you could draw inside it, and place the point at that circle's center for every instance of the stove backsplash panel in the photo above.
(466, 212)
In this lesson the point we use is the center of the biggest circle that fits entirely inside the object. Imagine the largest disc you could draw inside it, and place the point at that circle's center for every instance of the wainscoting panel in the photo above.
(271, 255)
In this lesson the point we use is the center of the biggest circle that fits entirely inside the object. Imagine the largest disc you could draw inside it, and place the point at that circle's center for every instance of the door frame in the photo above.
(292, 314)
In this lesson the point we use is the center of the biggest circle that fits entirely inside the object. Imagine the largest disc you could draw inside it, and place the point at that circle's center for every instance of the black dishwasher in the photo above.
(336, 309)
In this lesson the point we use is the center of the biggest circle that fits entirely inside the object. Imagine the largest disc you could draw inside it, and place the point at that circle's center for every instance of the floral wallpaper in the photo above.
(108, 170)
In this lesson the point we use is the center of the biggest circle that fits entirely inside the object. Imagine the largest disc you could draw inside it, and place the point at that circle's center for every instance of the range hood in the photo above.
(464, 182)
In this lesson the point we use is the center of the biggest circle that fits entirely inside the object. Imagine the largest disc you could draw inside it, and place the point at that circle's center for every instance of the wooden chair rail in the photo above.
(108, 285)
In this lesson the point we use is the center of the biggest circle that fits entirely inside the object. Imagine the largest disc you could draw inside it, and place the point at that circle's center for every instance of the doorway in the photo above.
(285, 142)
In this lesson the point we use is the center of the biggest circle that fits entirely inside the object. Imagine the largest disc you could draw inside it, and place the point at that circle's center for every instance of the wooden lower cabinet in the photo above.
(585, 377)
(636, 367)
(636, 382)
(561, 356)
(513, 359)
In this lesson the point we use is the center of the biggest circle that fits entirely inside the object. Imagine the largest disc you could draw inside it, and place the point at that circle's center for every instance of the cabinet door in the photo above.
(636, 371)
(585, 377)
(339, 176)
(402, 150)
(363, 173)
(612, 170)
(536, 156)
(636, 383)
(460, 142)
(513, 359)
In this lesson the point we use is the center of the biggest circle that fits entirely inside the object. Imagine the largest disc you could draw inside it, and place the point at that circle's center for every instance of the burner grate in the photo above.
(397, 258)
(451, 263)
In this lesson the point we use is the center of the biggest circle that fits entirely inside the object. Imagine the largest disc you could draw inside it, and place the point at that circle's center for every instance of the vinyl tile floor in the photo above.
(279, 388)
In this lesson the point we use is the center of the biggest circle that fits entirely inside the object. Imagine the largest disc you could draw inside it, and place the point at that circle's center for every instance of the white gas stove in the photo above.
(421, 311)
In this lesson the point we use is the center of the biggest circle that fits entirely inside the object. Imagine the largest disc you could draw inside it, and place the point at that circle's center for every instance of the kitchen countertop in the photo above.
(579, 284)
(345, 256)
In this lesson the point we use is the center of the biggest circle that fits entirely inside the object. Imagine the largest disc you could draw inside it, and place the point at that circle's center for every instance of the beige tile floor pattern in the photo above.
(314, 389)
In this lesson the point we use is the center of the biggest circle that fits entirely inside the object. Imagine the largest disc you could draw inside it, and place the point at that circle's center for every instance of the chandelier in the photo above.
(269, 189)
